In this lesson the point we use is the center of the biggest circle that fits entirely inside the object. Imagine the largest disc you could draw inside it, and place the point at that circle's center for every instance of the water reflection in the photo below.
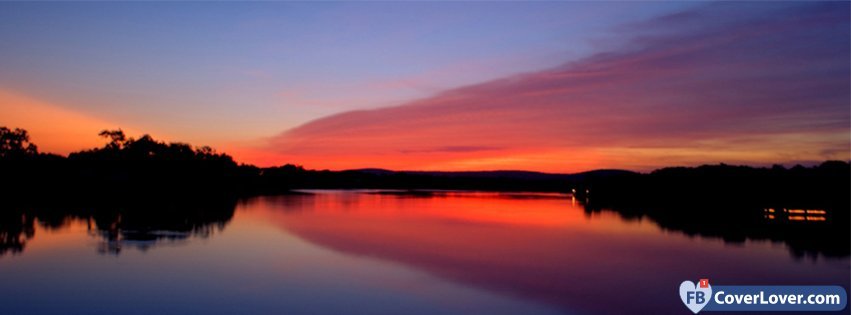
(15, 229)
(331, 252)
(807, 233)
(549, 249)
(117, 226)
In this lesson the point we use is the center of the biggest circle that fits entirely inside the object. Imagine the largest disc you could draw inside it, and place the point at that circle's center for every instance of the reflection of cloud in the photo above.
(758, 86)
(538, 248)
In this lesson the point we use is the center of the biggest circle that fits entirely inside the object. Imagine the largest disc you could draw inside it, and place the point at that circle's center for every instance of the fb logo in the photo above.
(695, 297)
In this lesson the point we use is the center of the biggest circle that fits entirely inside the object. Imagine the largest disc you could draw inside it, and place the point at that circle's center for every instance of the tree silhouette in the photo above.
(117, 138)
(16, 143)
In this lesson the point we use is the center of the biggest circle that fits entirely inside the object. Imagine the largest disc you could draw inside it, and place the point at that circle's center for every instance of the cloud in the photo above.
(726, 82)
(461, 148)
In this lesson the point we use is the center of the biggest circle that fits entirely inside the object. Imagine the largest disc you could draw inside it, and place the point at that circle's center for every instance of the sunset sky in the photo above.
(545, 86)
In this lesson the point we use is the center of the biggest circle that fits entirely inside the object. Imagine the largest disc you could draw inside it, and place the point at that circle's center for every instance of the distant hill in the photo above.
(502, 174)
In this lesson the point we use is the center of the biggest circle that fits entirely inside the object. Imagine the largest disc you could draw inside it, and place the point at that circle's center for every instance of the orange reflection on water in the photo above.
(550, 210)
(54, 236)
(536, 246)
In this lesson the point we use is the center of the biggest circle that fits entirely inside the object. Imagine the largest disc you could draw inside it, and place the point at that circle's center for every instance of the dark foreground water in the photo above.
(365, 253)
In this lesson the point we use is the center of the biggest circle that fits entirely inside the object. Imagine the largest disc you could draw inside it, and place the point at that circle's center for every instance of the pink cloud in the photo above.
(756, 89)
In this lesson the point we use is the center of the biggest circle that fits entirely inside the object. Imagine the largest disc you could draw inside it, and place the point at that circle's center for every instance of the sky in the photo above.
(545, 86)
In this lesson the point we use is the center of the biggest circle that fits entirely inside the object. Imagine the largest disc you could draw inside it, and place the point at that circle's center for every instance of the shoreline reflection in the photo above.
(117, 226)
(444, 252)
(556, 252)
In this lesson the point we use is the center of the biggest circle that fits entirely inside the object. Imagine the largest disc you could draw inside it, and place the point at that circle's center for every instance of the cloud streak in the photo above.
(727, 82)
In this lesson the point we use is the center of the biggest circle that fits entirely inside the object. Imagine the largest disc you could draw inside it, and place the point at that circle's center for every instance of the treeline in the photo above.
(145, 165)
(137, 166)
(827, 184)
(123, 166)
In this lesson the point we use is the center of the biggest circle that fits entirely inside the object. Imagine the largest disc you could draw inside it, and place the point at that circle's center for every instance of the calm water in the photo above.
(364, 253)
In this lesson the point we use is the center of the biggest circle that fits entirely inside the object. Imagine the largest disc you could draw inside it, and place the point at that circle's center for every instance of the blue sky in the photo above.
(551, 86)
(215, 72)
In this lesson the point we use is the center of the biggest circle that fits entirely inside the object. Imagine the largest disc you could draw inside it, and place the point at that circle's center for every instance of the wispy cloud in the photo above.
(747, 83)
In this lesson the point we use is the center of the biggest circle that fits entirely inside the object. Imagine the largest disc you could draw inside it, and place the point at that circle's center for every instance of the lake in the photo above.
(370, 252)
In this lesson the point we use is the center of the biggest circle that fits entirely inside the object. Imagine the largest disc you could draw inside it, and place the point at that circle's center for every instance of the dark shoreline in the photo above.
(161, 183)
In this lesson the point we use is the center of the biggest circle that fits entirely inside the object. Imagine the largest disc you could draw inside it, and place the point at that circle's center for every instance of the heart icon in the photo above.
(693, 297)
